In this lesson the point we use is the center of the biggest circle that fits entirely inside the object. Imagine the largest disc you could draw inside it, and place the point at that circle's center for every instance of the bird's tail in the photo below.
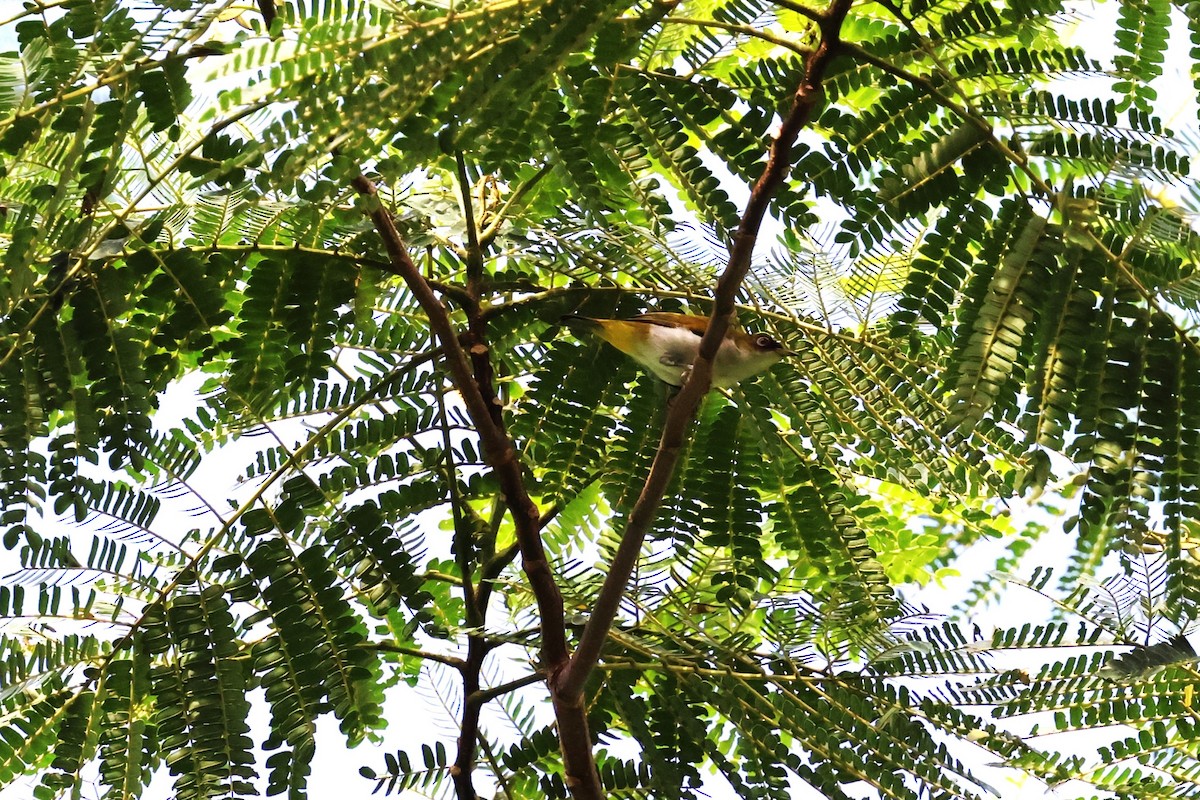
(580, 323)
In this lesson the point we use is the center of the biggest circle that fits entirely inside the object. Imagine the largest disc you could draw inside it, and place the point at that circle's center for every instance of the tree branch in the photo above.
(567, 676)
(491, 570)
(482, 696)
(804, 11)
(566, 687)
(501, 455)
(416, 652)
(683, 408)
(463, 540)
(476, 338)
(461, 772)
(471, 373)
(488, 234)
(742, 29)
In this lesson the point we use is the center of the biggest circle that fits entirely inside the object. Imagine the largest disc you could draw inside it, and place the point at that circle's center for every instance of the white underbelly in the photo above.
(669, 352)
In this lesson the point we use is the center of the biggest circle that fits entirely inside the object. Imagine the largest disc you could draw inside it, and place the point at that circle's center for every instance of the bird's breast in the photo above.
(668, 352)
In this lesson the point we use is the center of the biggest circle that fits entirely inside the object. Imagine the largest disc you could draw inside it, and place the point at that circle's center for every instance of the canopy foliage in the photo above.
(984, 253)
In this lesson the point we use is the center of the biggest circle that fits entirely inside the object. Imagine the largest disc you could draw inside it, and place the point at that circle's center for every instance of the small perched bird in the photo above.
(667, 344)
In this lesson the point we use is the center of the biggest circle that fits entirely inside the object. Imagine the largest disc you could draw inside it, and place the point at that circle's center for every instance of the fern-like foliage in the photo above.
(242, 494)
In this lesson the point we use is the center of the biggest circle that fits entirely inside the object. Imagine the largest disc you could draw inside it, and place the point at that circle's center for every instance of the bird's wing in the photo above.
(697, 325)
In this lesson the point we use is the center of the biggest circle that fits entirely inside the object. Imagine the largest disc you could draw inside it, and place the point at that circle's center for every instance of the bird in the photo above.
(667, 344)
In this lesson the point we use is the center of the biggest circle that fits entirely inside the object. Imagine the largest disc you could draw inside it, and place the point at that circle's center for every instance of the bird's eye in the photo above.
(764, 342)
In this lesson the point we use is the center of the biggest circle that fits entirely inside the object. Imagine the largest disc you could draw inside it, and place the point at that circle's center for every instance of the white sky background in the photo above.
(416, 718)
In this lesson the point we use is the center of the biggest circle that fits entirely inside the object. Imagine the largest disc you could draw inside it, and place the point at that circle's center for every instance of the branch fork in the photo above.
(469, 365)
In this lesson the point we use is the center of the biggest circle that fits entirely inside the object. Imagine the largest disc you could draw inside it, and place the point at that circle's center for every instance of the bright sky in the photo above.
(414, 716)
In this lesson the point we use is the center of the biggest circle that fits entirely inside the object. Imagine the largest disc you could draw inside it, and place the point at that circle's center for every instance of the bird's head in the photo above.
(760, 344)
(750, 354)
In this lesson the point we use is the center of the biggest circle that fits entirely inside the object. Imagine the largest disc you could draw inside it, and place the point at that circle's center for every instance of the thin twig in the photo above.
(483, 696)
(804, 11)
(488, 234)
(416, 652)
(1014, 156)
(474, 253)
(463, 539)
(746, 30)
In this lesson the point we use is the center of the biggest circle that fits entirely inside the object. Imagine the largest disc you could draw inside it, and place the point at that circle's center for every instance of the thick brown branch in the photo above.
(267, 9)
(501, 455)
(566, 688)
(471, 374)
(575, 744)
(569, 687)
(566, 678)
